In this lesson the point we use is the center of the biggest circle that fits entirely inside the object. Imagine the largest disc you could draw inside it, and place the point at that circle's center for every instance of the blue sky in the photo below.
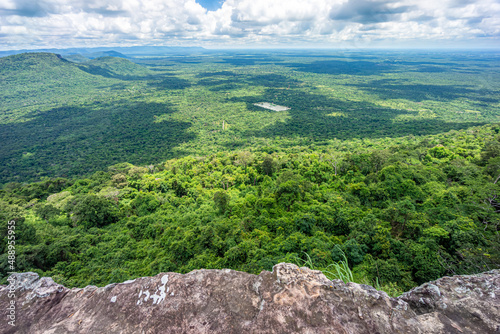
(210, 4)
(250, 23)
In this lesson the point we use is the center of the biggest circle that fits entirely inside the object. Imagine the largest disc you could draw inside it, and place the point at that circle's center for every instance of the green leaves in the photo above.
(144, 204)
(268, 165)
(490, 150)
(221, 200)
(92, 211)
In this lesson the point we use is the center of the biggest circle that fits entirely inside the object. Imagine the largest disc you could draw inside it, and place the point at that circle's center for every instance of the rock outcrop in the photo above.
(288, 300)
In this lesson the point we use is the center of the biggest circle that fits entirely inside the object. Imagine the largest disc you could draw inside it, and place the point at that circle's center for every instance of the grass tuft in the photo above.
(338, 270)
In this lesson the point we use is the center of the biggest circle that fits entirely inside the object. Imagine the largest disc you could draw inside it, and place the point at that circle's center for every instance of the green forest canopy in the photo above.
(403, 212)
(63, 119)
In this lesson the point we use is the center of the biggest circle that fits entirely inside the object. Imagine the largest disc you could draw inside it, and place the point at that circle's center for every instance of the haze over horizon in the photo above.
(250, 23)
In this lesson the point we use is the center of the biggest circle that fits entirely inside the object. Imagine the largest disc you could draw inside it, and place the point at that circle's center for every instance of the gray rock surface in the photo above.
(288, 300)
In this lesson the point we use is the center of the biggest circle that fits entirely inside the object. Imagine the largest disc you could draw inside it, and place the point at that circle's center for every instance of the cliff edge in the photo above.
(287, 300)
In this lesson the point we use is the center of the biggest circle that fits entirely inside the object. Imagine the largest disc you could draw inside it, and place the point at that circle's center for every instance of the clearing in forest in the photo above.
(271, 106)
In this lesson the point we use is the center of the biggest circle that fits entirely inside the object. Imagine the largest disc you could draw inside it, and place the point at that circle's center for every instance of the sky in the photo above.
(32, 24)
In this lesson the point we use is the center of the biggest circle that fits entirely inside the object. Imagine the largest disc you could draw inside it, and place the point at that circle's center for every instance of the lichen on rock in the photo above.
(287, 300)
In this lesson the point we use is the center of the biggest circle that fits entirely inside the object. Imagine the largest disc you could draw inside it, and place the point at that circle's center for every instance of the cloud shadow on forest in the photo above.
(402, 89)
(103, 72)
(216, 74)
(250, 60)
(183, 60)
(168, 81)
(68, 141)
(309, 118)
(227, 82)
(339, 67)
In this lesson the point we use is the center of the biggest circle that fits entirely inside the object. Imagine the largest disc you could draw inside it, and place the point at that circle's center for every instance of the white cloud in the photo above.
(60, 23)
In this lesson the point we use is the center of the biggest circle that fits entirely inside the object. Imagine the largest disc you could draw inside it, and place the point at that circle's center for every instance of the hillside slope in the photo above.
(76, 58)
(40, 78)
(36, 79)
(115, 68)
(53, 112)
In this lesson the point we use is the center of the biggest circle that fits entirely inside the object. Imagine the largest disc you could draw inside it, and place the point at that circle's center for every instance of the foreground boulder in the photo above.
(288, 300)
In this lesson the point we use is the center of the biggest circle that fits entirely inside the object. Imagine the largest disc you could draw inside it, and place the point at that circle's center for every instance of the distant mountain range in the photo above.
(122, 52)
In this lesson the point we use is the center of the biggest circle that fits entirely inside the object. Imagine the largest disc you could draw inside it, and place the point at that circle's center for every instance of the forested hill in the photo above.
(400, 211)
(32, 80)
(50, 66)
(115, 68)
(49, 114)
